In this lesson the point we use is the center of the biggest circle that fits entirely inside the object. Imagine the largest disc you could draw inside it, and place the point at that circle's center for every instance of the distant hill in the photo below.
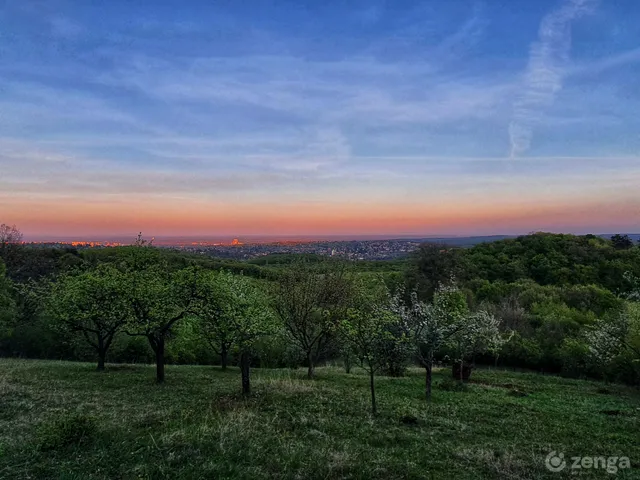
(461, 241)
(471, 241)
(634, 236)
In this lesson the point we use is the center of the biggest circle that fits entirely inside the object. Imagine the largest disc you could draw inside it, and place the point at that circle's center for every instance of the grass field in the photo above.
(64, 420)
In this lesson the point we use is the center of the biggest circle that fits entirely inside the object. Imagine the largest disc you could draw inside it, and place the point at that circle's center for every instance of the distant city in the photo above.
(248, 248)
(254, 247)
(354, 249)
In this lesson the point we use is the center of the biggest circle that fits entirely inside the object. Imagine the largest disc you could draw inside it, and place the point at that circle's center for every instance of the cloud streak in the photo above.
(548, 59)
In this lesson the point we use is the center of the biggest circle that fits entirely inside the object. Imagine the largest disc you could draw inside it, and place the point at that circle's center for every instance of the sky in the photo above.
(464, 117)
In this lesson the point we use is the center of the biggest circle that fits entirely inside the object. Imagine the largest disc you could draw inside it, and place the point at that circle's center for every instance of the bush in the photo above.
(574, 355)
(448, 384)
(69, 429)
(521, 352)
(188, 347)
(278, 351)
(131, 350)
(624, 368)
(591, 297)
(396, 354)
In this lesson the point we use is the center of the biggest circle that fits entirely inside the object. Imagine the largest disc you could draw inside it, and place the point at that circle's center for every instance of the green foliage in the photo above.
(561, 314)
(367, 327)
(231, 311)
(549, 289)
(187, 346)
(478, 332)
(607, 338)
(575, 357)
(591, 298)
(614, 344)
(544, 317)
(157, 296)
(632, 313)
(93, 303)
(277, 351)
(25, 263)
(633, 283)
(7, 305)
(433, 265)
(430, 325)
(134, 349)
(450, 303)
(398, 353)
(444, 322)
(551, 259)
(523, 351)
(172, 260)
(621, 242)
(309, 299)
(30, 331)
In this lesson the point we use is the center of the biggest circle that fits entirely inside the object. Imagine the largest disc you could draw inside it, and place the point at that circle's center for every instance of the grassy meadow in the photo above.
(64, 420)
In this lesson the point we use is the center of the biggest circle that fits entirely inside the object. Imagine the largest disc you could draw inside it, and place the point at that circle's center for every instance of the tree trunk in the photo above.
(347, 365)
(101, 357)
(224, 357)
(461, 370)
(245, 360)
(102, 353)
(374, 409)
(428, 380)
(310, 370)
(158, 347)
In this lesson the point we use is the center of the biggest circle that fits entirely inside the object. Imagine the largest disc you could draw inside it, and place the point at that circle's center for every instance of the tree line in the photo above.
(454, 306)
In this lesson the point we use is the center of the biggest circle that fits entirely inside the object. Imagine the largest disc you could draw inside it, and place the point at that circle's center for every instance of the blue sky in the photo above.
(260, 106)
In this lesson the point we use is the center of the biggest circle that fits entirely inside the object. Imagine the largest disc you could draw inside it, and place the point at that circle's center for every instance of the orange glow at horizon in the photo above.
(182, 217)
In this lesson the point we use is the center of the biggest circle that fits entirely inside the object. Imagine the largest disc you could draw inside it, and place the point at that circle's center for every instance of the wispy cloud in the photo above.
(383, 105)
(40, 169)
(607, 63)
(361, 90)
(543, 79)
(467, 34)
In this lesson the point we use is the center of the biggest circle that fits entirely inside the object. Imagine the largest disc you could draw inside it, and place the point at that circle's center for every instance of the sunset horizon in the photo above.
(356, 120)
(317, 221)
(222, 239)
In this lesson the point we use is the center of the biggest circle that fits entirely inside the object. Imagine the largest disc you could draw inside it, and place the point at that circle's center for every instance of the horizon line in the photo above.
(271, 238)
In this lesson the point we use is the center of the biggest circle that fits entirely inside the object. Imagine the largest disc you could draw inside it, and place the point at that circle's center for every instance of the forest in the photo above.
(550, 303)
